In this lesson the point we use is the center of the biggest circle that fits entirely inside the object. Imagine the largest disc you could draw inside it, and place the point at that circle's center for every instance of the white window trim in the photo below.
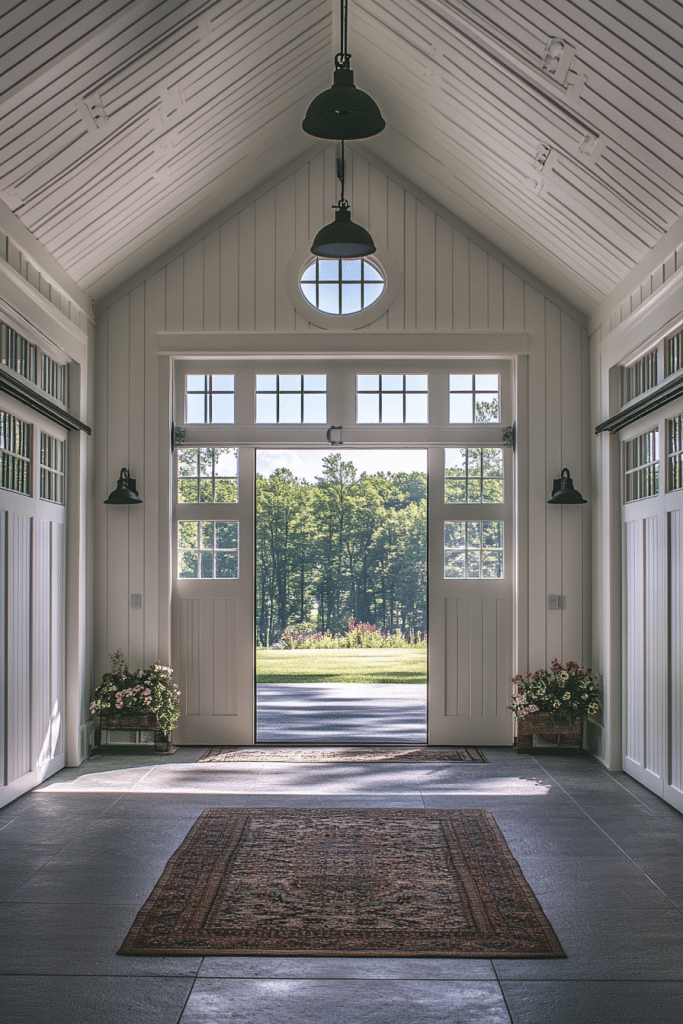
(351, 321)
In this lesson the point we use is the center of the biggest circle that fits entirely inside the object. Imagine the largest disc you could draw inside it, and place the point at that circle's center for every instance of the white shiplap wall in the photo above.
(230, 277)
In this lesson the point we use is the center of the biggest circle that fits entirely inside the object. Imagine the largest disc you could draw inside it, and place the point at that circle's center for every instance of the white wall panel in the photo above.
(450, 282)
(634, 694)
(675, 760)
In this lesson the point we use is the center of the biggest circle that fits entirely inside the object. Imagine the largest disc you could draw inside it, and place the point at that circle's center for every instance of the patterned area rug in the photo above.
(340, 755)
(366, 883)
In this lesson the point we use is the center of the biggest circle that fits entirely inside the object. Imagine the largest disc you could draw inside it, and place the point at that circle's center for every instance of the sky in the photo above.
(307, 465)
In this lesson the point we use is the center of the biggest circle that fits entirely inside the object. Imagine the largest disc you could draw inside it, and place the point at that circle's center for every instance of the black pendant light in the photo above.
(124, 492)
(564, 492)
(343, 111)
(342, 238)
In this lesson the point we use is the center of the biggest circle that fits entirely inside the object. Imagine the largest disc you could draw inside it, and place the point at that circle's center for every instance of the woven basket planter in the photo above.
(543, 725)
(162, 740)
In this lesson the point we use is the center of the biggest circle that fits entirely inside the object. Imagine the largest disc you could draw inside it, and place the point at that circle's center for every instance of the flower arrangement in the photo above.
(144, 692)
(569, 692)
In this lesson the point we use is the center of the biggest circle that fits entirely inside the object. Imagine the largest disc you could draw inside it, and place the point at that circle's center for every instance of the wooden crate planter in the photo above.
(543, 725)
(162, 740)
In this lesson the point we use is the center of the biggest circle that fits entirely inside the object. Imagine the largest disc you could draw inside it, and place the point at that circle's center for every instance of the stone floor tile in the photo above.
(339, 967)
(594, 1002)
(92, 1000)
(77, 939)
(294, 1001)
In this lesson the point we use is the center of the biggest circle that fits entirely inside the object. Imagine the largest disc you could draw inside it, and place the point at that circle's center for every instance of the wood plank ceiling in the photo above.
(126, 124)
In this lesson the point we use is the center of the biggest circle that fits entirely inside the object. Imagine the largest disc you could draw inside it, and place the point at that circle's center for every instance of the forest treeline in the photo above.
(347, 546)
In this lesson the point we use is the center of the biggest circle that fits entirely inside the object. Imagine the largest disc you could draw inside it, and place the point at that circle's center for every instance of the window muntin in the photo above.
(674, 453)
(21, 355)
(291, 398)
(208, 550)
(208, 475)
(51, 468)
(473, 398)
(209, 398)
(341, 287)
(473, 475)
(15, 454)
(639, 378)
(673, 353)
(473, 550)
(641, 466)
(392, 398)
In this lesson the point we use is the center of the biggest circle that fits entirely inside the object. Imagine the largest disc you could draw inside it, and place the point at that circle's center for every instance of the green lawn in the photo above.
(342, 666)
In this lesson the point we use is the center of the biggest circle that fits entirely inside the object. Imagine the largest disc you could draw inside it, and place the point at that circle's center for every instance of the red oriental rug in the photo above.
(352, 883)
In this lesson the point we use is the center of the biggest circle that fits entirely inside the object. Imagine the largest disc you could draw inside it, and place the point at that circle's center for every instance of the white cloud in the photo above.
(308, 465)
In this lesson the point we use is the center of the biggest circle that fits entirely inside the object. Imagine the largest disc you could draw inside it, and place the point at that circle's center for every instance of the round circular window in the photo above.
(342, 287)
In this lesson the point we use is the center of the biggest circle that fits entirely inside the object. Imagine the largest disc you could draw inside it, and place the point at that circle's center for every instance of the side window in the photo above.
(15, 453)
(208, 550)
(207, 475)
(473, 550)
(473, 475)
(641, 466)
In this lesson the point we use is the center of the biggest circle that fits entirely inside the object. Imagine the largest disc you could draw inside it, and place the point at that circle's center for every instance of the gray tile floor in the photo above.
(80, 854)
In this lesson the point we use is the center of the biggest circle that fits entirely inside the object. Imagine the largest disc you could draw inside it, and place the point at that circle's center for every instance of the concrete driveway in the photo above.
(329, 713)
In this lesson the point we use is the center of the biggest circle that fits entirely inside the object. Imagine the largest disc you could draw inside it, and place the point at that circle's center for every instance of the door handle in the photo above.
(329, 435)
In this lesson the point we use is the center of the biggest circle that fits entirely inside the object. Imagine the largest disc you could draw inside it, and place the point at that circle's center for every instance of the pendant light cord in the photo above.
(342, 58)
(342, 174)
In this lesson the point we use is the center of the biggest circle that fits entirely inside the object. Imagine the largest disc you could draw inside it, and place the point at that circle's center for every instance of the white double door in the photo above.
(470, 620)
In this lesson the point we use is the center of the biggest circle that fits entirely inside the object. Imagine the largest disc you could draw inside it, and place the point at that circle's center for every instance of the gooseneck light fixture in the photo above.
(343, 111)
(124, 493)
(564, 492)
(342, 238)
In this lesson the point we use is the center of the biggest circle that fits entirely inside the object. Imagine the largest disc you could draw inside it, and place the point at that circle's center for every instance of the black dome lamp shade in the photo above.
(343, 112)
(124, 493)
(343, 238)
(564, 492)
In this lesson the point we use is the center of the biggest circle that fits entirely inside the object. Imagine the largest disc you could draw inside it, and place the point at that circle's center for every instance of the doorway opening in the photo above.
(341, 596)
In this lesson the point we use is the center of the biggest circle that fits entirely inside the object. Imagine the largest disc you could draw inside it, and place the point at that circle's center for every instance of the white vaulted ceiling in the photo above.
(124, 125)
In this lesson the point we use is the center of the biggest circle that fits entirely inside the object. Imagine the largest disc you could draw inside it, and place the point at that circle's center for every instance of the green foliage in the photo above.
(346, 546)
(569, 692)
(143, 692)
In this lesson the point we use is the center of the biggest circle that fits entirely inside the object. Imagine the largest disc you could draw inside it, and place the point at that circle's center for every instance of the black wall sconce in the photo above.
(124, 493)
(564, 492)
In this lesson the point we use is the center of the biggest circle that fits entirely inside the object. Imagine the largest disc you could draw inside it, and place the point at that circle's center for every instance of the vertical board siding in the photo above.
(654, 645)
(58, 633)
(634, 702)
(233, 280)
(675, 760)
(4, 562)
(42, 645)
(477, 679)
(19, 569)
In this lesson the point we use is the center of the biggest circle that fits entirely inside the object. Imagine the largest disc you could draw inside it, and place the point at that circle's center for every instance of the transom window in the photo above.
(474, 398)
(291, 398)
(641, 466)
(208, 474)
(473, 475)
(208, 550)
(392, 398)
(473, 550)
(340, 287)
(15, 454)
(210, 398)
